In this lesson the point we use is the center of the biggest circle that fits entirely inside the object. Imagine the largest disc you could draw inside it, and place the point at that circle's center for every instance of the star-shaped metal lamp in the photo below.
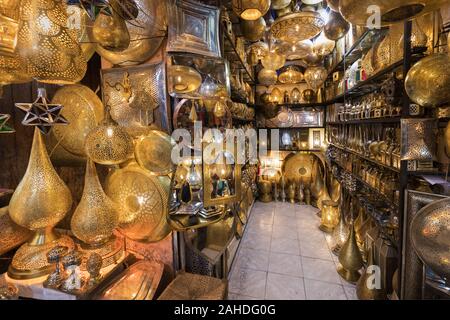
(4, 127)
(42, 114)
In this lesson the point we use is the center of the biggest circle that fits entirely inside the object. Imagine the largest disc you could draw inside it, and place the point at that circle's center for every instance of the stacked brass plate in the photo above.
(430, 235)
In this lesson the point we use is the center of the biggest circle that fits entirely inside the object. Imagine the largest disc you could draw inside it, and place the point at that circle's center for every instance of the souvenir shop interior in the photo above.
(224, 149)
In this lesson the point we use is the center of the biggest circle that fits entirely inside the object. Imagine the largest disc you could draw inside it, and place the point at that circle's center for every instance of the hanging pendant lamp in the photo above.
(253, 30)
(250, 9)
(315, 76)
(297, 26)
(336, 27)
(322, 45)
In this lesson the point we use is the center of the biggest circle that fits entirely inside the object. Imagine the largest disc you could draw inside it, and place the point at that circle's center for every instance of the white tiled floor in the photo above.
(284, 255)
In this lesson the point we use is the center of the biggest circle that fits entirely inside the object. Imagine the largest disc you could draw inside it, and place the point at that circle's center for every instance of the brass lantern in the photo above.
(336, 27)
(330, 216)
(291, 75)
(110, 31)
(50, 47)
(273, 60)
(297, 26)
(253, 30)
(39, 202)
(267, 77)
(250, 9)
(295, 51)
(280, 4)
(315, 76)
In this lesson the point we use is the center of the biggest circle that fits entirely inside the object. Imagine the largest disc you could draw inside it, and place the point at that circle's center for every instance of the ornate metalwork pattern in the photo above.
(134, 94)
(297, 26)
(430, 235)
(194, 27)
(143, 200)
(11, 235)
(418, 139)
(84, 111)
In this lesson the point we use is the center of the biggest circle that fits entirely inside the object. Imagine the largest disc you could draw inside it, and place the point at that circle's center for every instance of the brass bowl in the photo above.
(392, 11)
(253, 30)
(428, 81)
(430, 230)
(184, 79)
(297, 26)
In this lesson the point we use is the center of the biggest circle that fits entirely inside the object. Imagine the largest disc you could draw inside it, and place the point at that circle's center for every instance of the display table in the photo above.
(34, 289)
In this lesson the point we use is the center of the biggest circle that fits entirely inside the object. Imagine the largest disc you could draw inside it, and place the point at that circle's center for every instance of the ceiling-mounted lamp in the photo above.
(295, 51)
(297, 26)
(253, 30)
(336, 27)
(323, 46)
(250, 9)
(315, 76)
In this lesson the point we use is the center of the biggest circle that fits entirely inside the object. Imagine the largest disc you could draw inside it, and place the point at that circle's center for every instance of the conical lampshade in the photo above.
(322, 45)
(96, 216)
(39, 202)
(365, 289)
(50, 47)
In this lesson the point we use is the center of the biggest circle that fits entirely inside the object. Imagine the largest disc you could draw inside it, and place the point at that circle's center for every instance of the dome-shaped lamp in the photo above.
(323, 46)
(267, 77)
(315, 76)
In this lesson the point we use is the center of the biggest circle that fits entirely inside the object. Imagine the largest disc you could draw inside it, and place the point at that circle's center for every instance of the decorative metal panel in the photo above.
(194, 27)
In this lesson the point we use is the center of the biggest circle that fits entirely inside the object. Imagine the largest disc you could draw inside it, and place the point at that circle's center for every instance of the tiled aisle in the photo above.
(284, 255)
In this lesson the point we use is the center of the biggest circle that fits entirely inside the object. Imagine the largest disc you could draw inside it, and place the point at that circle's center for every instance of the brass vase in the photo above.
(49, 46)
(39, 202)
(350, 258)
(96, 216)
(110, 31)
(364, 290)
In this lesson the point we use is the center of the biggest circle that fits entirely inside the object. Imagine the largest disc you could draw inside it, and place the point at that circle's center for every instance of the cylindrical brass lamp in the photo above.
(330, 216)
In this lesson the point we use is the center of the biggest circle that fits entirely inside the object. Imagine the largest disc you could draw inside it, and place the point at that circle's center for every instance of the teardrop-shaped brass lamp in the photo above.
(253, 30)
(39, 202)
(340, 233)
(250, 9)
(315, 76)
(110, 31)
(336, 27)
(109, 143)
(49, 46)
(96, 216)
(365, 290)
(146, 31)
(350, 259)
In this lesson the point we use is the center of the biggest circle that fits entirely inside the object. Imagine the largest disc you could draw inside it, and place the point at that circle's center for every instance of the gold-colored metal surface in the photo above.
(143, 201)
(80, 23)
(428, 81)
(30, 261)
(153, 152)
(83, 110)
(183, 79)
(265, 189)
(146, 31)
(333, 4)
(250, 9)
(350, 258)
(336, 27)
(51, 49)
(340, 233)
(330, 216)
(295, 51)
(297, 26)
(109, 144)
(41, 199)
(299, 168)
(138, 282)
(253, 30)
(430, 235)
(273, 60)
(309, 96)
(276, 96)
(358, 12)
(96, 216)
(322, 45)
(11, 235)
(8, 33)
(110, 31)
(418, 139)
(267, 77)
(280, 4)
(291, 75)
(315, 76)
